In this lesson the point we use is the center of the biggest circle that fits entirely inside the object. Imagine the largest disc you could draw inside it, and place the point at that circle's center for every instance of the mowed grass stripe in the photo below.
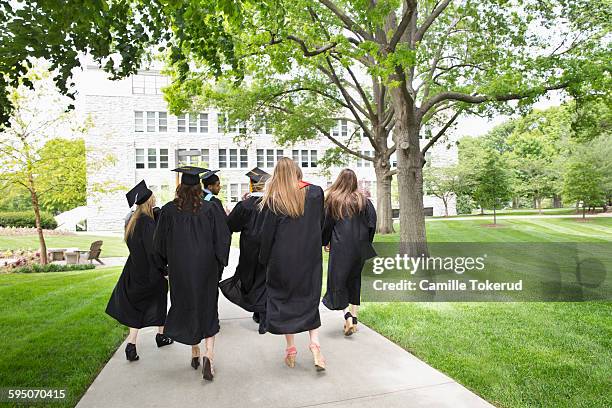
(63, 340)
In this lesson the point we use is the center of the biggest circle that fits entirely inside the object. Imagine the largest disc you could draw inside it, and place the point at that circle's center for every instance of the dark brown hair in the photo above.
(343, 198)
(189, 197)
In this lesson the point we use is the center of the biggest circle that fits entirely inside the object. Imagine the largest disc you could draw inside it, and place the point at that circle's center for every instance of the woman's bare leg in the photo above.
(132, 336)
(209, 342)
(160, 329)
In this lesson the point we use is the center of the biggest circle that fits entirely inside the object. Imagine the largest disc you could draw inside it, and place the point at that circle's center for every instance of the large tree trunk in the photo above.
(557, 201)
(41, 237)
(384, 213)
(413, 239)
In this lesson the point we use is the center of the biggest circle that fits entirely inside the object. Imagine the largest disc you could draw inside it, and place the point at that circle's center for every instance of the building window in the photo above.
(193, 123)
(222, 158)
(163, 158)
(270, 158)
(363, 162)
(181, 123)
(304, 158)
(260, 158)
(295, 155)
(341, 128)
(313, 158)
(192, 157)
(138, 121)
(152, 158)
(203, 122)
(244, 158)
(233, 154)
(279, 154)
(140, 162)
(150, 121)
(162, 122)
(234, 193)
(150, 84)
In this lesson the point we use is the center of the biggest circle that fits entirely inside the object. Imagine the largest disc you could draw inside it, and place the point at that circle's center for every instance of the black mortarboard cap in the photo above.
(139, 194)
(190, 175)
(257, 175)
(208, 174)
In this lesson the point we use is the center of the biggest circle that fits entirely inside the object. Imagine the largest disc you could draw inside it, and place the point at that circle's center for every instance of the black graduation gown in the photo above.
(247, 288)
(193, 246)
(350, 241)
(219, 205)
(140, 296)
(291, 251)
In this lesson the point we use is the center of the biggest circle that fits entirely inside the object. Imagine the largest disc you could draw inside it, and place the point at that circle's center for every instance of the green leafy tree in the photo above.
(62, 175)
(588, 174)
(444, 183)
(437, 58)
(38, 115)
(493, 188)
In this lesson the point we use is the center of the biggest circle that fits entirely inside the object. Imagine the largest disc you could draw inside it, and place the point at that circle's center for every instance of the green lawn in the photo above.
(53, 329)
(520, 211)
(113, 246)
(512, 354)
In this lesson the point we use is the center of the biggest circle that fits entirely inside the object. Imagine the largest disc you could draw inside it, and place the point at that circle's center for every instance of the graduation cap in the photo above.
(208, 174)
(257, 175)
(190, 174)
(139, 194)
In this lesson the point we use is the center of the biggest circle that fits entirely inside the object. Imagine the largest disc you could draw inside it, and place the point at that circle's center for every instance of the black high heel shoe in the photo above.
(130, 352)
(207, 370)
(195, 362)
(163, 340)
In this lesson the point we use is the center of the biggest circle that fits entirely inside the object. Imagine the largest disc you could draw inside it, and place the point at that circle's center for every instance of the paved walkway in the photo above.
(365, 370)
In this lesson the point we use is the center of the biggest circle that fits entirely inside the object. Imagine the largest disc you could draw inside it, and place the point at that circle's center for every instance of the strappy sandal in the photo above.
(290, 354)
(319, 360)
(348, 323)
(354, 324)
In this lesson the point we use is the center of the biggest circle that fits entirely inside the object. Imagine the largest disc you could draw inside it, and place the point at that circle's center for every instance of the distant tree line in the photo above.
(561, 155)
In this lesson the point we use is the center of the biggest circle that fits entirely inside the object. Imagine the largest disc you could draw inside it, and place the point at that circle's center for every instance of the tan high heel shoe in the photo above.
(348, 324)
(290, 354)
(319, 360)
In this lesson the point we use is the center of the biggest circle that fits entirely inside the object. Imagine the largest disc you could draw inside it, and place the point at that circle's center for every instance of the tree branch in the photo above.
(348, 22)
(429, 20)
(441, 132)
(403, 25)
(458, 96)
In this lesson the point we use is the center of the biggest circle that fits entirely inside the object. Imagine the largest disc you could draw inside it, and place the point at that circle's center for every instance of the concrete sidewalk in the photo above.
(364, 370)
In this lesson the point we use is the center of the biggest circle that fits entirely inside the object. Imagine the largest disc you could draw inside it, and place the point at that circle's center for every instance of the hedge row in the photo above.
(25, 219)
(52, 268)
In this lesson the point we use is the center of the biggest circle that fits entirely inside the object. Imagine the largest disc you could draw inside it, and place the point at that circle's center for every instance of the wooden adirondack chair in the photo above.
(93, 254)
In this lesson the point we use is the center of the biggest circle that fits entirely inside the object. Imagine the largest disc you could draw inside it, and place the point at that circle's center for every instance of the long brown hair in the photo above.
(282, 194)
(189, 197)
(145, 208)
(343, 198)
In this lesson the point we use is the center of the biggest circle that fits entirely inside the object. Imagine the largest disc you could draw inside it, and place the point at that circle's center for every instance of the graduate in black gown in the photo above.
(140, 296)
(291, 250)
(192, 237)
(247, 288)
(350, 224)
(212, 187)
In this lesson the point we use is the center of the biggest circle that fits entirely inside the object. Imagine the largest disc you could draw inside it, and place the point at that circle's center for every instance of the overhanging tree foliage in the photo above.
(438, 58)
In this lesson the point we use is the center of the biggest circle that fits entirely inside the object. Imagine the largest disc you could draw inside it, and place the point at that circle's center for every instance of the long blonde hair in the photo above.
(283, 194)
(145, 208)
(343, 198)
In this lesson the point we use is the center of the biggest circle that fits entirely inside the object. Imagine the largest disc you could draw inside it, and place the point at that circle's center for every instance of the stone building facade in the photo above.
(134, 137)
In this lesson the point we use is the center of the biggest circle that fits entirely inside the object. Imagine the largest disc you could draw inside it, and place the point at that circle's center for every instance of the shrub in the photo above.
(25, 219)
(37, 268)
